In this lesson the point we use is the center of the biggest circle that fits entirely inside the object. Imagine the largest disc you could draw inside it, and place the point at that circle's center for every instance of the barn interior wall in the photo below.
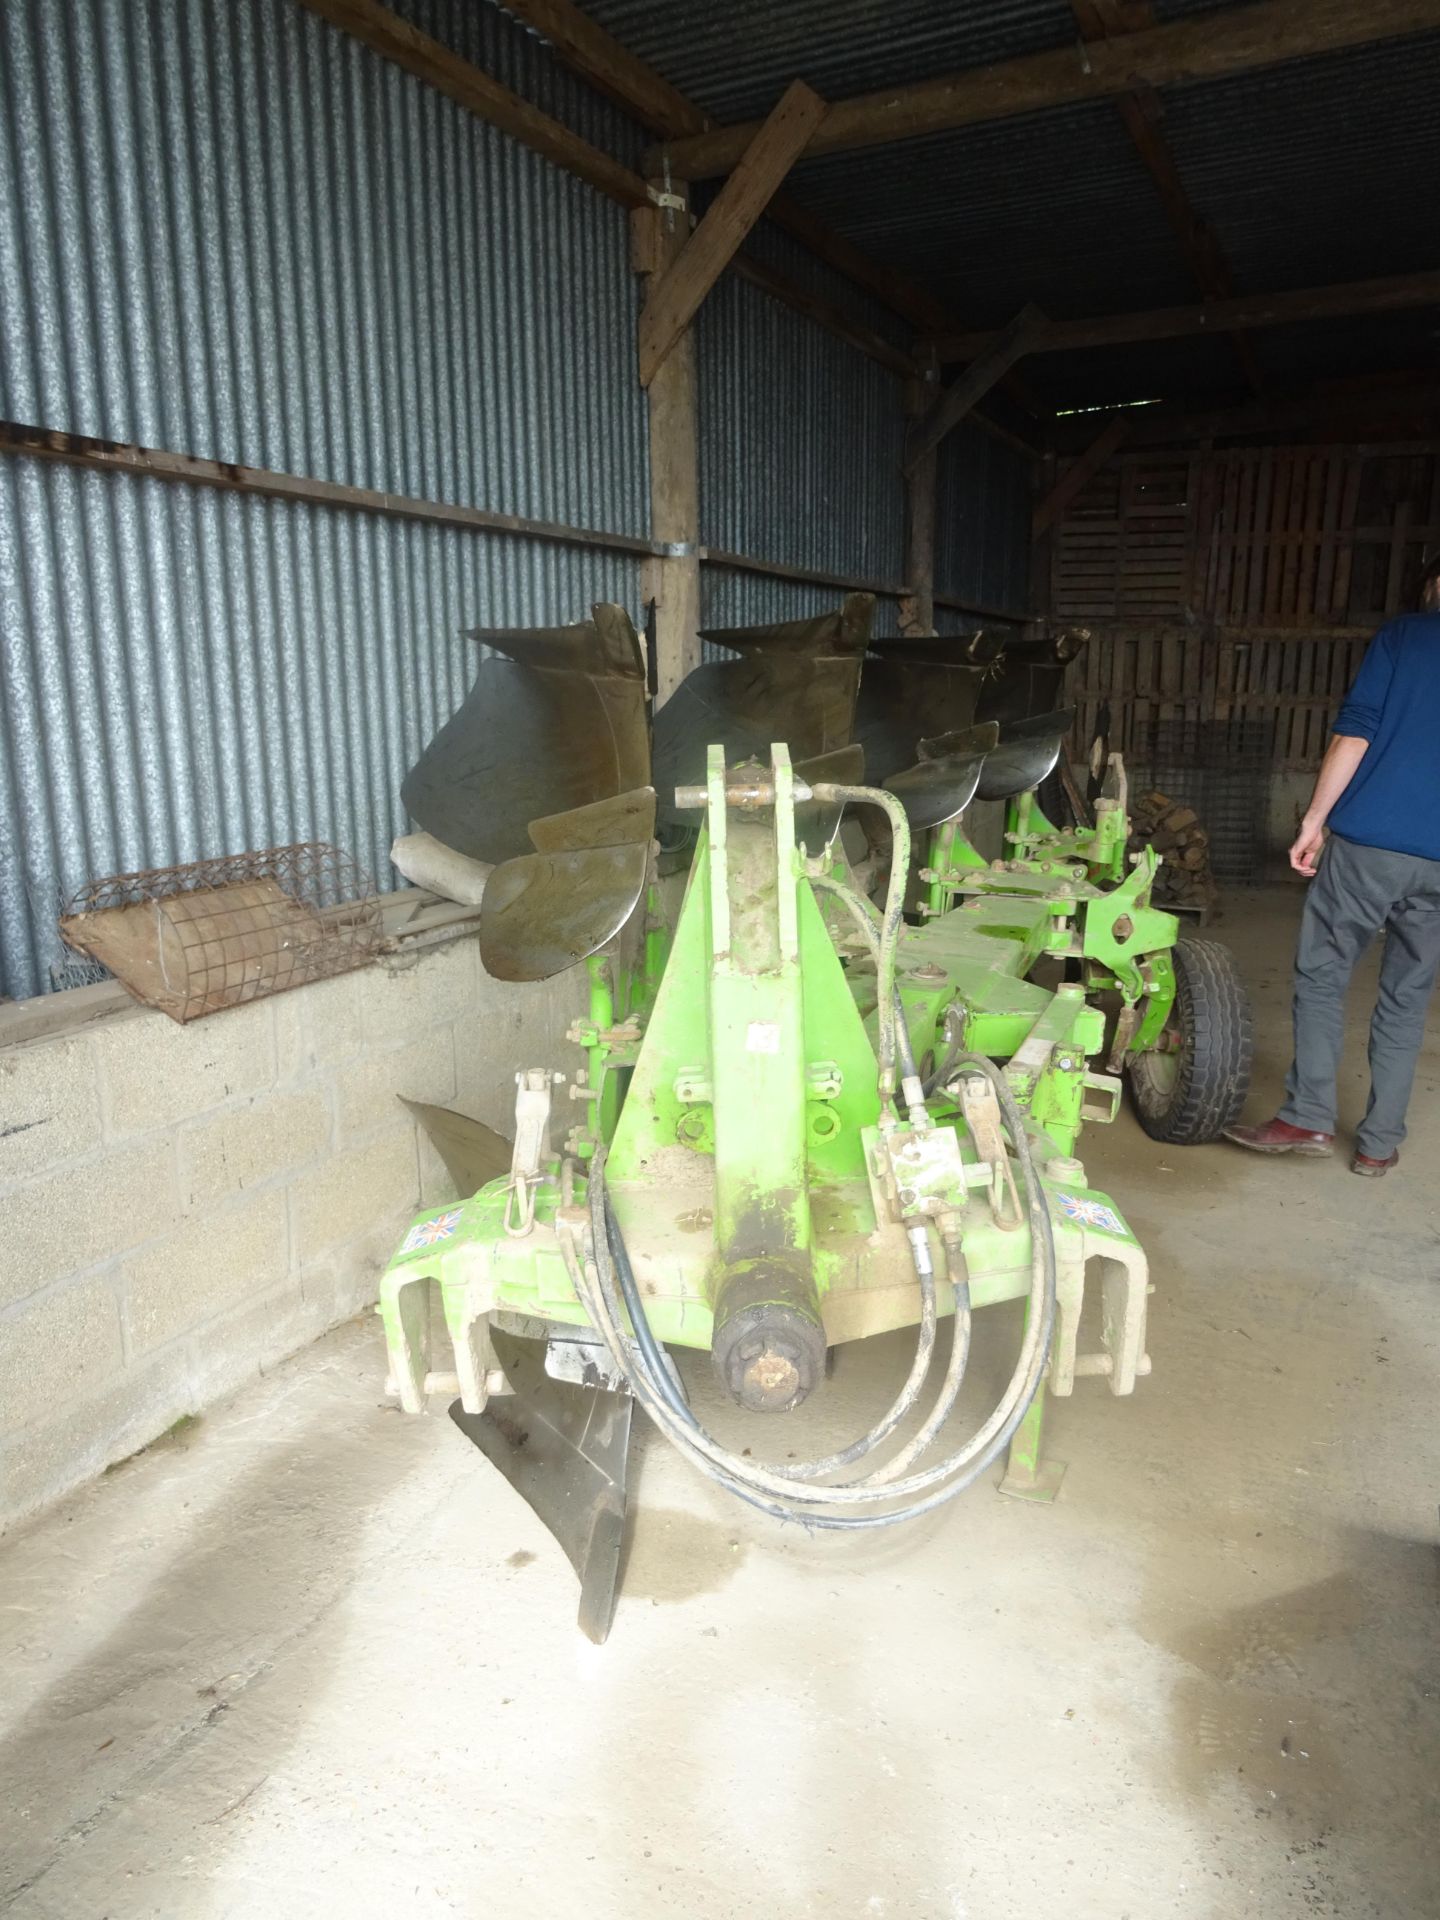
(239, 235)
(1230, 594)
(983, 502)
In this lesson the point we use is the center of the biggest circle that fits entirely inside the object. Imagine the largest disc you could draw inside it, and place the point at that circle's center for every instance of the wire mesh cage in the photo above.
(193, 939)
(1221, 768)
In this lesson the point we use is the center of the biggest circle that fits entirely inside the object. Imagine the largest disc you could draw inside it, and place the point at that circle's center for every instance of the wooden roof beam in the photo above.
(396, 40)
(1141, 113)
(601, 60)
(460, 80)
(1077, 477)
(675, 297)
(988, 367)
(604, 63)
(1390, 295)
(1210, 46)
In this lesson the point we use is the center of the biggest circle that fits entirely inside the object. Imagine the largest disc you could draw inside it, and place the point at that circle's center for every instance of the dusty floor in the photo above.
(311, 1658)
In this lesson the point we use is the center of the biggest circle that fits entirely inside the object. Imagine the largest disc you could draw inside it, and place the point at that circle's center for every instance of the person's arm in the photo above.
(1356, 725)
(1337, 770)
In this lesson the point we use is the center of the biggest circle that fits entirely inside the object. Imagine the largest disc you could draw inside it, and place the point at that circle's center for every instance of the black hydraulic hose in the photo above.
(811, 1469)
(634, 1306)
(773, 1491)
(794, 1509)
(925, 1273)
(908, 1395)
(946, 1067)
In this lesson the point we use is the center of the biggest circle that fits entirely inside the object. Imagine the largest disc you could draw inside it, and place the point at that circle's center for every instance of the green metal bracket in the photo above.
(1120, 928)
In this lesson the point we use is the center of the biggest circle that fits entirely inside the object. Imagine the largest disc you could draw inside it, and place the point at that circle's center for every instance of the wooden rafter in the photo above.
(396, 40)
(1210, 46)
(1141, 112)
(676, 295)
(990, 365)
(1390, 295)
(589, 50)
(465, 83)
(584, 46)
(602, 61)
(1074, 480)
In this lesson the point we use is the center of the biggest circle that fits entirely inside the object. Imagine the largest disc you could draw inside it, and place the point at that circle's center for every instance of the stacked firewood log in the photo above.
(1177, 832)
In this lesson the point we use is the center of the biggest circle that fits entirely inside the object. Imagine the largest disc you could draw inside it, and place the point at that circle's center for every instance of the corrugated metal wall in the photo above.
(788, 415)
(730, 598)
(235, 232)
(982, 524)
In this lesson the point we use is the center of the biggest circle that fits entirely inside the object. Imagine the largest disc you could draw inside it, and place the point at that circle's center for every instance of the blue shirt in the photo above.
(1394, 799)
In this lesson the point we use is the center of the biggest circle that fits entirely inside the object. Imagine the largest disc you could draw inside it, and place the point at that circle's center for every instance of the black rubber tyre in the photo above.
(1189, 1096)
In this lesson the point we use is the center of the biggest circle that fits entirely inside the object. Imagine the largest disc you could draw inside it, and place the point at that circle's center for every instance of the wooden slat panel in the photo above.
(1224, 585)
(1330, 515)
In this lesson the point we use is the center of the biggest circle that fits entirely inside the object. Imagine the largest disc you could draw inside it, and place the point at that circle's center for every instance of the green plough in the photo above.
(807, 1115)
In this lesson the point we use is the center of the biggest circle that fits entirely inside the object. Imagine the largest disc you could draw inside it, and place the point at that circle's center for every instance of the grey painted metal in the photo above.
(234, 232)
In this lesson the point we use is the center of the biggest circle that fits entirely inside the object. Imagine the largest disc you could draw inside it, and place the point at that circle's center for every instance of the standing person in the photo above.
(1379, 795)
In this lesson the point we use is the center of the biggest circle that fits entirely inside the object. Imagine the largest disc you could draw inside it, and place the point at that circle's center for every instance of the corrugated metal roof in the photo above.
(1143, 370)
(1322, 171)
(735, 60)
(516, 56)
(1330, 349)
(993, 215)
(1311, 173)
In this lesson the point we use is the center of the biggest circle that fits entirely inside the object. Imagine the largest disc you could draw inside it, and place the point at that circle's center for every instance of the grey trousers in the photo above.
(1357, 891)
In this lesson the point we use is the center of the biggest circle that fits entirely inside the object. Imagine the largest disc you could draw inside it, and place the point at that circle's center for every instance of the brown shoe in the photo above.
(1278, 1136)
(1373, 1169)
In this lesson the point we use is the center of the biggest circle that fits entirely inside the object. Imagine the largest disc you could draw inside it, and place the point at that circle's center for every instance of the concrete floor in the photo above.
(312, 1658)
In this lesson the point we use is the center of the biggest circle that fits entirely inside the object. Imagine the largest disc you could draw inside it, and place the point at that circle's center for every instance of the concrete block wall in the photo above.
(181, 1207)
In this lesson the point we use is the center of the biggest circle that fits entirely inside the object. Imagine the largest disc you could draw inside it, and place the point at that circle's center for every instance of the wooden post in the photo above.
(917, 609)
(672, 582)
(674, 296)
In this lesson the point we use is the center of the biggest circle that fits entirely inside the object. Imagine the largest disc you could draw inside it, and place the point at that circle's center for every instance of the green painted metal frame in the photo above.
(732, 1073)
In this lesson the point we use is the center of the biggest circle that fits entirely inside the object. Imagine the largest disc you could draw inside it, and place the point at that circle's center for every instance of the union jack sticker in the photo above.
(1090, 1213)
(429, 1233)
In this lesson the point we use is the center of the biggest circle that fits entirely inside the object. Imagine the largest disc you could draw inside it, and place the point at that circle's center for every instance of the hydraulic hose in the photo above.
(775, 1490)
(892, 920)
(864, 920)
